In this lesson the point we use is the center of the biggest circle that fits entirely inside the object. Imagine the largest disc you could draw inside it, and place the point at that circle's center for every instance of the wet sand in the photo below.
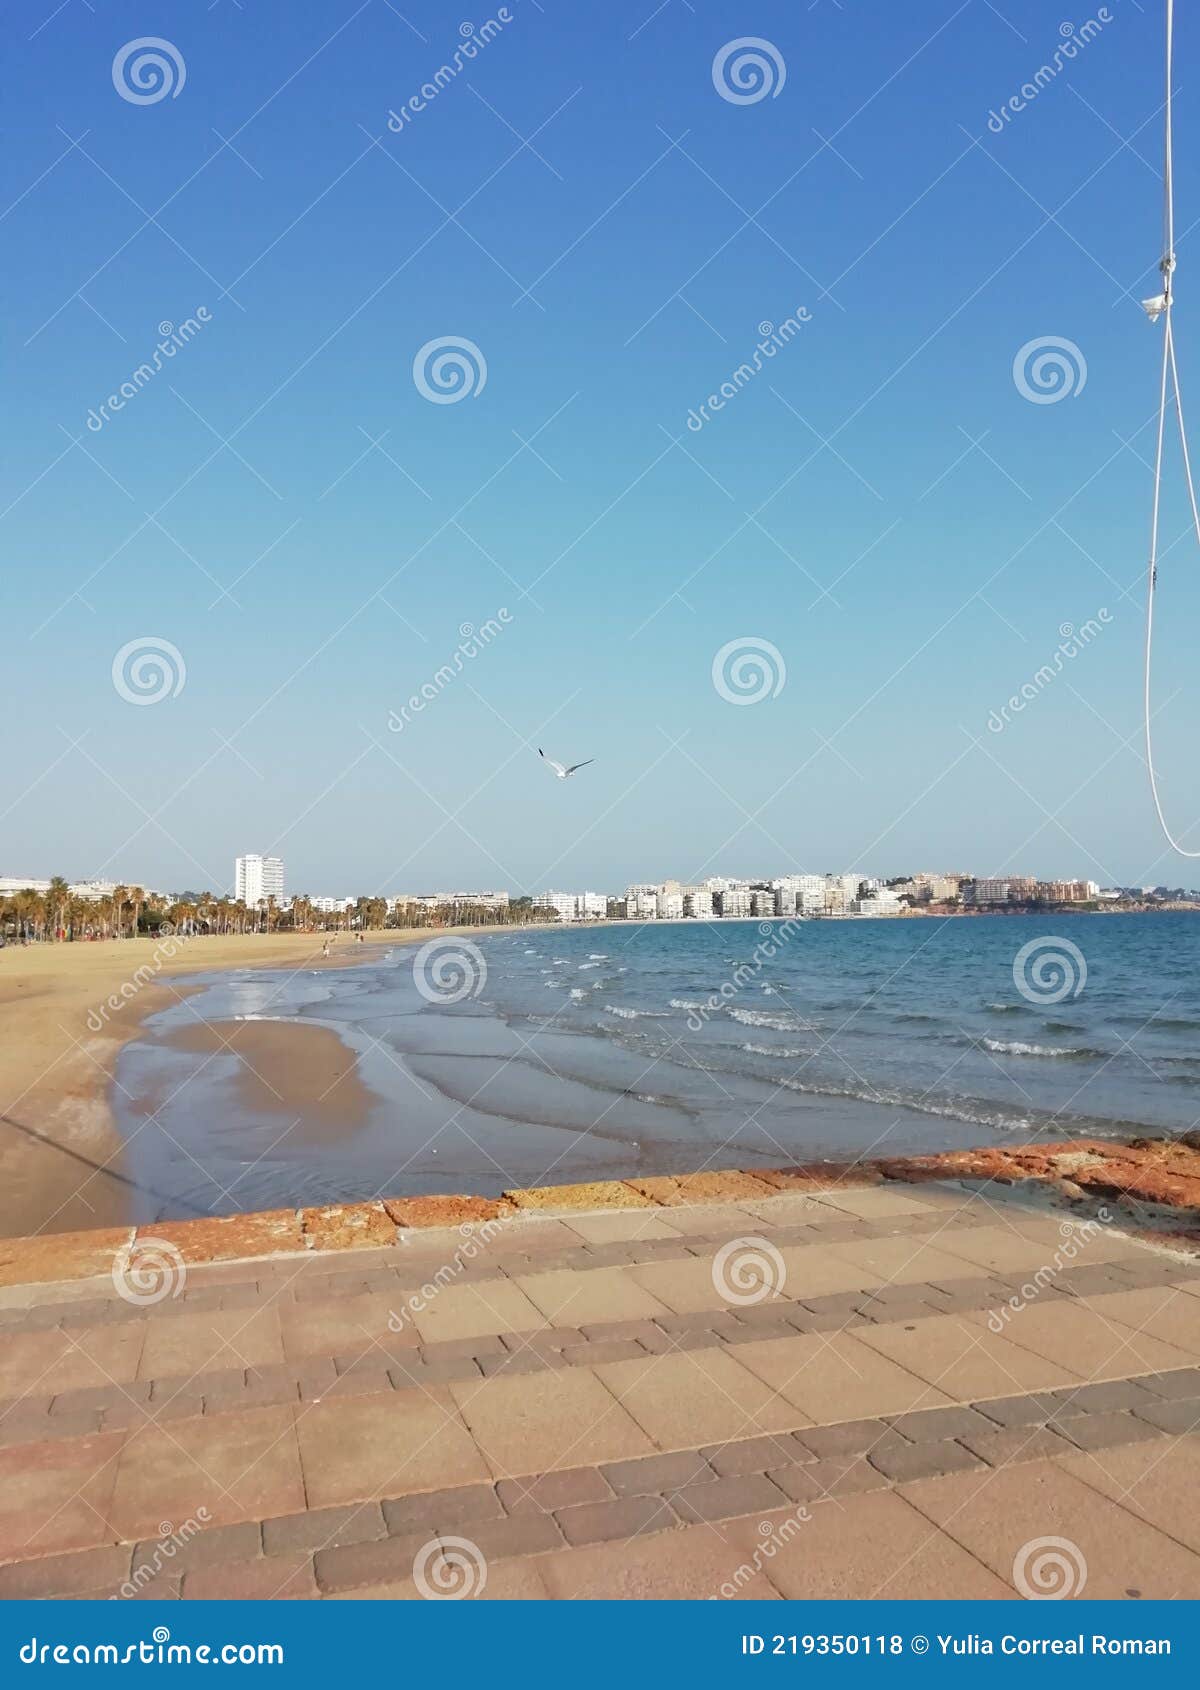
(305, 1075)
(66, 1010)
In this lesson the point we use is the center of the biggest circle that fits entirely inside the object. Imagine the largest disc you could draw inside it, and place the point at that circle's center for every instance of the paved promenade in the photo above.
(879, 1391)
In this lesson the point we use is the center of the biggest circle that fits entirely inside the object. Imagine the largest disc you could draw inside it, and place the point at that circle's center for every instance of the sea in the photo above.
(551, 1055)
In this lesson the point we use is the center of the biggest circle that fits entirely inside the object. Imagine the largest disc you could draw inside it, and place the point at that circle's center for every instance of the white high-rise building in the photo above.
(257, 878)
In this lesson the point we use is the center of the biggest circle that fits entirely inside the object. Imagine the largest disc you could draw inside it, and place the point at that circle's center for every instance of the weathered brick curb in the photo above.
(1162, 1174)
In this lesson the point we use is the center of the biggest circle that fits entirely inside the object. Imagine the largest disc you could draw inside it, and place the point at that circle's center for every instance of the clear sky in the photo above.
(284, 505)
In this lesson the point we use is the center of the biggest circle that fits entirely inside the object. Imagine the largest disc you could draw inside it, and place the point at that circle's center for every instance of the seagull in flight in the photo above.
(563, 770)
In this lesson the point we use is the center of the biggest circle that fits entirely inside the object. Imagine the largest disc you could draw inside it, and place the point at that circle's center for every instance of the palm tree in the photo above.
(56, 899)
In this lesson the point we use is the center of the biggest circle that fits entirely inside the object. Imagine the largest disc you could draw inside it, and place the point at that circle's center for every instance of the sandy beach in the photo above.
(61, 1160)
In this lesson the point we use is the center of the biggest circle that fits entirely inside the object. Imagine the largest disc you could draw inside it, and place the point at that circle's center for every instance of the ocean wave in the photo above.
(787, 1051)
(586, 965)
(1007, 1008)
(688, 1003)
(764, 1018)
(577, 993)
(597, 956)
(1017, 1047)
(626, 1014)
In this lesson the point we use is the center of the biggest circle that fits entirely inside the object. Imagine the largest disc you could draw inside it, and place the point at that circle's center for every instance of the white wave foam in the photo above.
(1017, 1047)
(762, 1018)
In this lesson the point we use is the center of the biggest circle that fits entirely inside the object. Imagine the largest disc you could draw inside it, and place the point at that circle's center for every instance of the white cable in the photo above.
(1171, 368)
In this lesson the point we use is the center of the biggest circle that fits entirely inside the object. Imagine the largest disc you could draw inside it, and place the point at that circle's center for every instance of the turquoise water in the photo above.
(617, 1050)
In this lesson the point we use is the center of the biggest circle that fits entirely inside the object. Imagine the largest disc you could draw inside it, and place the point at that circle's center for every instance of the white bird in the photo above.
(561, 770)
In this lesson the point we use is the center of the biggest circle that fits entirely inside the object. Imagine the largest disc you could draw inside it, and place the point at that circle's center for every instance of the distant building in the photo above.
(698, 902)
(256, 879)
(641, 903)
(11, 884)
(573, 906)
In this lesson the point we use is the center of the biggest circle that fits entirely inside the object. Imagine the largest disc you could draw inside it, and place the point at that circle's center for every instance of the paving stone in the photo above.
(546, 1341)
(455, 1349)
(1177, 1414)
(1180, 1382)
(840, 1306)
(798, 1483)
(442, 1510)
(1017, 1443)
(850, 1437)
(584, 1355)
(509, 1365)
(727, 1499)
(617, 1330)
(655, 1474)
(1103, 1396)
(932, 1425)
(522, 1534)
(65, 1575)
(1101, 1431)
(56, 1426)
(323, 1528)
(312, 1377)
(844, 1478)
(274, 1578)
(1030, 1410)
(354, 1566)
(177, 1554)
(755, 1455)
(548, 1492)
(365, 1381)
(97, 1398)
(626, 1517)
(924, 1460)
(260, 1394)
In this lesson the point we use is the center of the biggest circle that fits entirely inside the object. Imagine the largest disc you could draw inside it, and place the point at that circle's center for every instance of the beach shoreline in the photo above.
(68, 1010)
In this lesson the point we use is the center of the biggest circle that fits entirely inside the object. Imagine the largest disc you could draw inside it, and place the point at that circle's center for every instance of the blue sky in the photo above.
(880, 503)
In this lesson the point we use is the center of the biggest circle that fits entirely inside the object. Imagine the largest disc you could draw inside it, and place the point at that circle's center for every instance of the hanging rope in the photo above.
(1160, 306)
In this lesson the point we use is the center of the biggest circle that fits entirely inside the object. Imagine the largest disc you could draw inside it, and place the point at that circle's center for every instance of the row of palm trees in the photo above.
(57, 915)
